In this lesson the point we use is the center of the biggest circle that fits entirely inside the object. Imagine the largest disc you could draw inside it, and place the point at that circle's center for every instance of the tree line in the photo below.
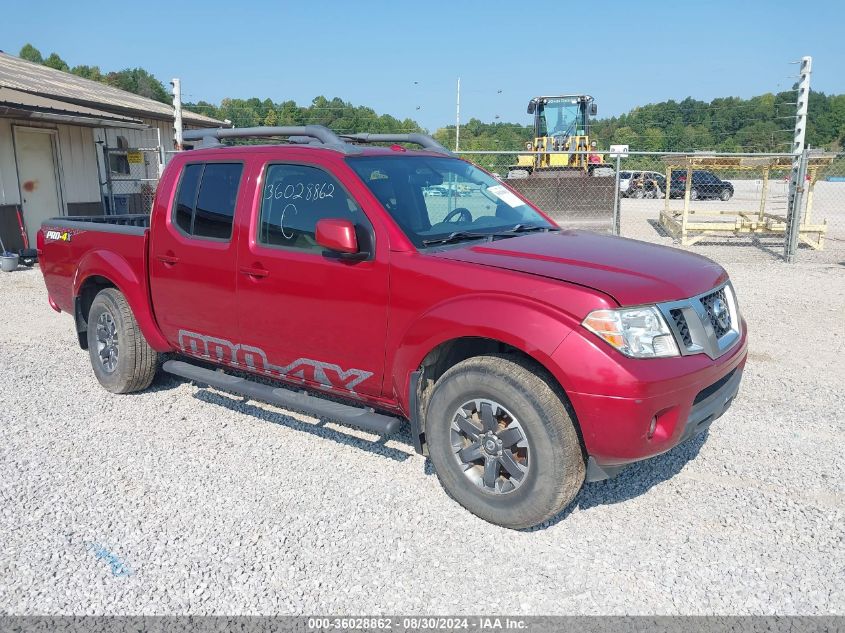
(731, 124)
(760, 124)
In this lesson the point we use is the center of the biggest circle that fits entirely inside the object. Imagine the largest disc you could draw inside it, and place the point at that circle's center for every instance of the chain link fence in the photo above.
(132, 176)
(726, 206)
(823, 202)
(575, 197)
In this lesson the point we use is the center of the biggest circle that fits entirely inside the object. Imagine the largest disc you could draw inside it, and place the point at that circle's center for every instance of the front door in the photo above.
(304, 314)
(39, 183)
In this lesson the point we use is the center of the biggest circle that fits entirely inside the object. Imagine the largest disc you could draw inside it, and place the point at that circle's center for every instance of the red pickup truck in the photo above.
(524, 359)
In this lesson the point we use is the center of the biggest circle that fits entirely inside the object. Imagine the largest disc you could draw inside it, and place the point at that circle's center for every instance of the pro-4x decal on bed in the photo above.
(54, 235)
(254, 359)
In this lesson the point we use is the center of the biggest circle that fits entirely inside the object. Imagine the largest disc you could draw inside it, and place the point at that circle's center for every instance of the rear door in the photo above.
(193, 258)
(305, 314)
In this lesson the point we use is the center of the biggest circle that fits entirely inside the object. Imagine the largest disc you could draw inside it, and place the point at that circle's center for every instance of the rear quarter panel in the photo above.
(81, 253)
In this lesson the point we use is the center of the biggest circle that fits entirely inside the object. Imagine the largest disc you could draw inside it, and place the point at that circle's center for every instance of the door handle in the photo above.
(255, 272)
(168, 259)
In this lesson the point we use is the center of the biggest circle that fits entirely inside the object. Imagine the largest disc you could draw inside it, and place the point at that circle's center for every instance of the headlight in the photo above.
(636, 332)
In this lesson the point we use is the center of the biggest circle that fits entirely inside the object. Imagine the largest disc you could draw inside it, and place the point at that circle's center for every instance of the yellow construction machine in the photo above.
(561, 124)
(561, 170)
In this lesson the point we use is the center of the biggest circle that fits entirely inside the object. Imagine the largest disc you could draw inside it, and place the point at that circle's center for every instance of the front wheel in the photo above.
(503, 442)
(693, 194)
(120, 356)
(725, 195)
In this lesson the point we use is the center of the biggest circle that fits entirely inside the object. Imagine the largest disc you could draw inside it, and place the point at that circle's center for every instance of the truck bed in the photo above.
(74, 247)
(140, 220)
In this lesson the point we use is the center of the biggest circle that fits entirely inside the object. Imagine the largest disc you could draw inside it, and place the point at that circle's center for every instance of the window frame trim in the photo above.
(191, 235)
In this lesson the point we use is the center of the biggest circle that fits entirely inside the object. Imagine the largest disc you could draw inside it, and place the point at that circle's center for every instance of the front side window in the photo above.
(295, 198)
(430, 197)
(206, 199)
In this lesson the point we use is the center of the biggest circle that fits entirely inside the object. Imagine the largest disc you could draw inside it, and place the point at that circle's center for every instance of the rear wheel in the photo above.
(502, 441)
(120, 356)
(693, 194)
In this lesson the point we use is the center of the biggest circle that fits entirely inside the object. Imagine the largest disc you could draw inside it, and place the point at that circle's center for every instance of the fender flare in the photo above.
(490, 316)
(117, 270)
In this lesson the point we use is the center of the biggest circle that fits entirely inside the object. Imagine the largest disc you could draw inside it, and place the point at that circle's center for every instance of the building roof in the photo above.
(28, 77)
(23, 105)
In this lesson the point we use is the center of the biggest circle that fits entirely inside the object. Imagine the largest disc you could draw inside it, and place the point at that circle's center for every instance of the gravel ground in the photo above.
(187, 500)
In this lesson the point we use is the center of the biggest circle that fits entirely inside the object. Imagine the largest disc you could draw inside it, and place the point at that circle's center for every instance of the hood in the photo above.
(630, 271)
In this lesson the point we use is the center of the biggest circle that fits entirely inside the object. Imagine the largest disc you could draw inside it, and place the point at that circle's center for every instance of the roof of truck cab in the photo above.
(362, 150)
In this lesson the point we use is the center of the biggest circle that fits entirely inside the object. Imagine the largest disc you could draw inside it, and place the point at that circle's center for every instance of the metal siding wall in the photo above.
(9, 192)
(77, 166)
(79, 171)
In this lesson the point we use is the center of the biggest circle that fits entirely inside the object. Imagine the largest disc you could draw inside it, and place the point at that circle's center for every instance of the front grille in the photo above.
(709, 302)
(681, 325)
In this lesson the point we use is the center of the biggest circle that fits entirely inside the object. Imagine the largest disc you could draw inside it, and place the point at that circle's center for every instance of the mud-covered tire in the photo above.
(555, 463)
(133, 364)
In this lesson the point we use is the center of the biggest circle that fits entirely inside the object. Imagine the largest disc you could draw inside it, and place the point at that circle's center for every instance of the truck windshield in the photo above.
(444, 200)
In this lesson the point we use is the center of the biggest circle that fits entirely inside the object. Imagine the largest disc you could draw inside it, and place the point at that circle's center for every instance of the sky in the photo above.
(404, 58)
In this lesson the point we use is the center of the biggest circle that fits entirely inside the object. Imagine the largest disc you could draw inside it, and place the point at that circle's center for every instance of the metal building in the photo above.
(63, 141)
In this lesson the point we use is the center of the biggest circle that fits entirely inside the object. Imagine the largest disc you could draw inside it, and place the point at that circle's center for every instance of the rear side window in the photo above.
(206, 199)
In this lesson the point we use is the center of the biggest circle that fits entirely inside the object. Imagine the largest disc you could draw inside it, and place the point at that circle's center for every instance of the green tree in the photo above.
(54, 61)
(88, 72)
(140, 82)
(30, 53)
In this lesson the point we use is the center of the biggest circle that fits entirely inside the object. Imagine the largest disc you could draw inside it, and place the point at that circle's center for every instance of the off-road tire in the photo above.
(136, 361)
(556, 458)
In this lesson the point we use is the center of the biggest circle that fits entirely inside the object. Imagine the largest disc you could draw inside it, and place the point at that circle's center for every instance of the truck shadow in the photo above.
(632, 482)
(317, 428)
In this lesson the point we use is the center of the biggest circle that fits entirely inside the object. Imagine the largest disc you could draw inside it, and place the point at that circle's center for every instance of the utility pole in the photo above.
(177, 112)
(799, 159)
(458, 118)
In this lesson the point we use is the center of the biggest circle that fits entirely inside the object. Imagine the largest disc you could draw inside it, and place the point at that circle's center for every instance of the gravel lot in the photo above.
(187, 500)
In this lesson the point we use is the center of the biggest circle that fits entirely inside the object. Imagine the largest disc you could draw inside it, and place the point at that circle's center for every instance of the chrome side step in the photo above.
(366, 419)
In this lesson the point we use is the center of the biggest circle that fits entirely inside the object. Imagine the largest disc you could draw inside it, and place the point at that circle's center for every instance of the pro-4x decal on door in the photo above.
(254, 359)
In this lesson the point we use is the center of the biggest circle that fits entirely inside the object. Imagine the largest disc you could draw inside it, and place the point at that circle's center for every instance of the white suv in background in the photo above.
(628, 181)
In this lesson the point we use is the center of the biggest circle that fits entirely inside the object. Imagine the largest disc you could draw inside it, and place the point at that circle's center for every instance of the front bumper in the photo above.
(707, 407)
(629, 410)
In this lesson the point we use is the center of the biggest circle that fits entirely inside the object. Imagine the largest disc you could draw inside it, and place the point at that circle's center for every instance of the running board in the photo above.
(366, 419)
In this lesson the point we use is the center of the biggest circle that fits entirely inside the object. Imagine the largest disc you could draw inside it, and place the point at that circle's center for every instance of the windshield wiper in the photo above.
(515, 230)
(527, 228)
(458, 236)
